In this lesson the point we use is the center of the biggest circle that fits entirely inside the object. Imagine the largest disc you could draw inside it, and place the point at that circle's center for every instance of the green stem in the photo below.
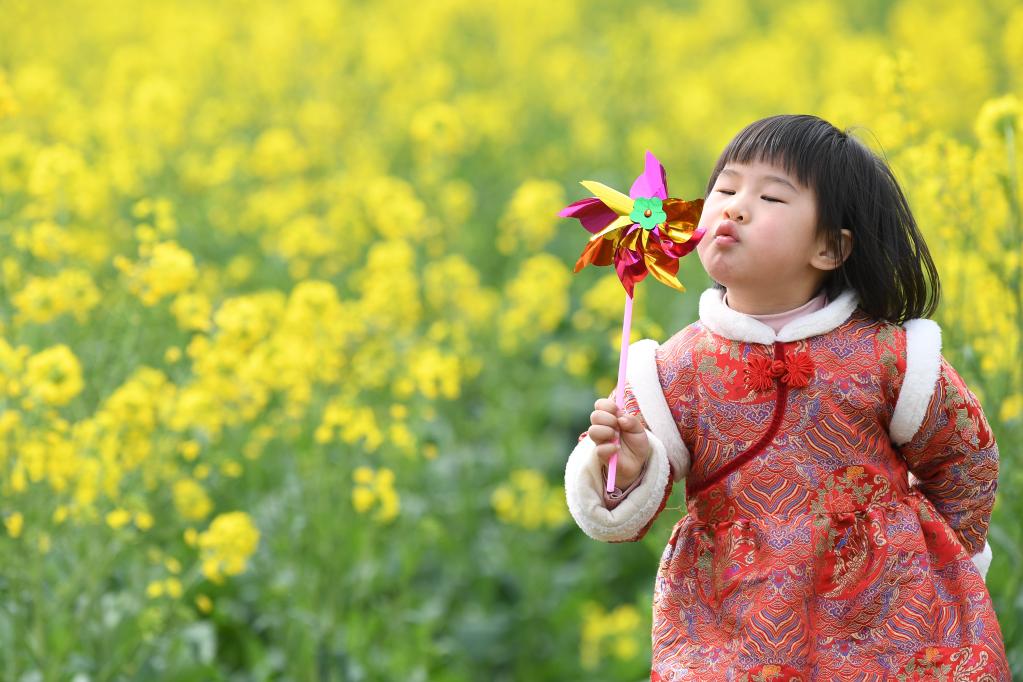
(38, 641)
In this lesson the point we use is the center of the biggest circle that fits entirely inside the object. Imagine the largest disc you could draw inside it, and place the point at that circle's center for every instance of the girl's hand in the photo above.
(634, 445)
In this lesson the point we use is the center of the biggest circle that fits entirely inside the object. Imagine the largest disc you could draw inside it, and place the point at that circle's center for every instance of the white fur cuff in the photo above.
(646, 386)
(584, 491)
(982, 560)
(923, 360)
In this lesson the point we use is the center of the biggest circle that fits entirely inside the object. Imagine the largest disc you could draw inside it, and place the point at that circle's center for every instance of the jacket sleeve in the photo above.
(952, 454)
(632, 517)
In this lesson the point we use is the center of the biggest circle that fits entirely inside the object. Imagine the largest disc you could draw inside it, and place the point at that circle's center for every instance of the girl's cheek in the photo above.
(708, 211)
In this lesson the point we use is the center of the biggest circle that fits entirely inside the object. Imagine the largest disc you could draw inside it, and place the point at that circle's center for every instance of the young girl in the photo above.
(839, 474)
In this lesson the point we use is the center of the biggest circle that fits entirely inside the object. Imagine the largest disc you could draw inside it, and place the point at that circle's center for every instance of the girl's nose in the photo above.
(735, 213)
(735, 208)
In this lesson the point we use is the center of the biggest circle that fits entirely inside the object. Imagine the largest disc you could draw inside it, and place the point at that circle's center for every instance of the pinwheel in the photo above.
(643, 233)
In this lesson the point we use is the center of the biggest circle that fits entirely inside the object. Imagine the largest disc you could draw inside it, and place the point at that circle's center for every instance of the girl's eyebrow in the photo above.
(773, 178)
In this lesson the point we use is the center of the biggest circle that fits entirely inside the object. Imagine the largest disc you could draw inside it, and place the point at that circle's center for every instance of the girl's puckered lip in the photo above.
(727, 231)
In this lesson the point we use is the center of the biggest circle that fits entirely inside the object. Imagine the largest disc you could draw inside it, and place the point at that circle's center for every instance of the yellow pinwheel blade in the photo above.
(663, 269)
(620, 221)
(615, 200)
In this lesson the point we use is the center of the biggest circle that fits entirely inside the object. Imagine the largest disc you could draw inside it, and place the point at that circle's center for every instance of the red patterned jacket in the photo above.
(839, 480)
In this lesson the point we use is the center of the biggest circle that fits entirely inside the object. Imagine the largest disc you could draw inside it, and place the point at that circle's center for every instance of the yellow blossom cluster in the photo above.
(966, 199)
(52, 376)
(609, 634)
(537, 302)
(531, 218)
(528, 500)
(42, 299)
(164, 269)
(191, 500)
(375, 489)
(227, 545)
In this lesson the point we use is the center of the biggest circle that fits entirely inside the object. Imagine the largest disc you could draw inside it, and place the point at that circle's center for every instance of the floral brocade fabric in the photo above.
(805, 553)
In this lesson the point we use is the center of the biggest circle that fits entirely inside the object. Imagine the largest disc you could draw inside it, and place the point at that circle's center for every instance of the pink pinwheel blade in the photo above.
(652, 182)
(630, 268)
(592, 213)
(676, 250)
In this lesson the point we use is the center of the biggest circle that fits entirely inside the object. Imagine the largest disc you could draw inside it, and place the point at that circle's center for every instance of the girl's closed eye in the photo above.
(765, 197)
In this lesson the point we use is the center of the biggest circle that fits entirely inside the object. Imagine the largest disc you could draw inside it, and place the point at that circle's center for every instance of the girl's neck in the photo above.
(778, 320)
(740, 302)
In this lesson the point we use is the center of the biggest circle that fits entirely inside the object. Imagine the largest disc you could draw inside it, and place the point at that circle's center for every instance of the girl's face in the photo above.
(760, 239)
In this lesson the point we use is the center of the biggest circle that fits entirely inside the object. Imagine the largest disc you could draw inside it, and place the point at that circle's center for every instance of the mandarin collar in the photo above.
(731, 324)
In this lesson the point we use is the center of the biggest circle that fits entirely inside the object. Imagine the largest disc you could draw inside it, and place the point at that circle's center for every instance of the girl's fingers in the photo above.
(606, 405)
(630, 424)
(601, 418)
(601, 434)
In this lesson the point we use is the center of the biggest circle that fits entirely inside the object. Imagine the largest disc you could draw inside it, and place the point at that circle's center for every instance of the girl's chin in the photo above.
(723, 276)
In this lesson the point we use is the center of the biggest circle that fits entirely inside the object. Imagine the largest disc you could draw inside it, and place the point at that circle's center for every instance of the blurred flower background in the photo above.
(291, 355)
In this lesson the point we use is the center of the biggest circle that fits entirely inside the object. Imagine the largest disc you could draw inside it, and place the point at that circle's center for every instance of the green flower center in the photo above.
(648, 212)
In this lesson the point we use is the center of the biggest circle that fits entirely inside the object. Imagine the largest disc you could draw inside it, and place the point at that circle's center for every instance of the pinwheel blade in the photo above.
(652, 182)
(615, 200)
(619, 222)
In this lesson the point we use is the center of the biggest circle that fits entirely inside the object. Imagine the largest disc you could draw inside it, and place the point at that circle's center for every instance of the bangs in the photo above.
(800, 145)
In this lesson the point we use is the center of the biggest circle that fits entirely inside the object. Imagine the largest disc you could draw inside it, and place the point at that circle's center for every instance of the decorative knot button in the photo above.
(798, 369)
(794, 371)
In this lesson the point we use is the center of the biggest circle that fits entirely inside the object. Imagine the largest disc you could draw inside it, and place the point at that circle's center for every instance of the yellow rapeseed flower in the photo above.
(997, 119)
(118, 518)
(617, 633)
(8, 104)
(191, 500)
(192, 311)
(375, 488)
(451, 287)
(354, 424)
(1011, 408)
(14, 523)
(226, 546)
(362, 499)
(60, 514)
(54, 375)
(165, 269)
(231, 468)
(144, 520)
(190, 450)
(537, 302)
(12, 364)
(203, 603)
(531, 217)
(277, 152)
(172, 586)
(436, 373)
(45, 240)
(527, 500)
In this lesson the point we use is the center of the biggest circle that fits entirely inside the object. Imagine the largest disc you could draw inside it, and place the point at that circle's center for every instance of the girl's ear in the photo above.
(824, 258)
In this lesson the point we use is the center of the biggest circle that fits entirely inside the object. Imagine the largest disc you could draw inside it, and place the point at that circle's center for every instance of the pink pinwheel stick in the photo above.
(620, 388)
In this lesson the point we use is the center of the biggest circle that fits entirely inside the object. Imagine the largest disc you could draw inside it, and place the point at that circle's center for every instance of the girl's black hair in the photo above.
(889, 266)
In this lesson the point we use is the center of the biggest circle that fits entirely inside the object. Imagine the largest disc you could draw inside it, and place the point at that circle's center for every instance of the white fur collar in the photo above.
(724, 321)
